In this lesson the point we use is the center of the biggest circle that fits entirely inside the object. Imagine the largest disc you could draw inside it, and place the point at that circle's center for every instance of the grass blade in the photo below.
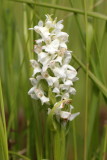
(3, 135)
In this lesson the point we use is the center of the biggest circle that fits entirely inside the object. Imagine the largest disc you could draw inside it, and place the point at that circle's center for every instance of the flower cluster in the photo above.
(52, 62)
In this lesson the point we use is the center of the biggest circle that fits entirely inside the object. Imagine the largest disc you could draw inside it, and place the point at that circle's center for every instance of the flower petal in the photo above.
(33, 81)
(40, 23)
(34, 96)
(68, 83)
(44, 100)
(36, 67)
(59, 72)
(72, 90)
(52, 47)
(62, 36)
(31, 90)
(56, 90)
(65, 115)
(73, 116)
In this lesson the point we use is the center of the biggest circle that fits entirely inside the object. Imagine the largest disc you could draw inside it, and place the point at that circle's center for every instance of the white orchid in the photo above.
(64, 115)
(36, 67)
(50, 80)
(52, 48)
(37, 93)
(68, 116)
(52, 64)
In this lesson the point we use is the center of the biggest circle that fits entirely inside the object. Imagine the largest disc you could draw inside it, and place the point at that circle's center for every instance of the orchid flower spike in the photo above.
(52, 64)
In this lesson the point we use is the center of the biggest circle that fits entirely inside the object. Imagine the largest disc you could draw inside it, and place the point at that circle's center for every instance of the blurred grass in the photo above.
(3, 134)
(26, 117)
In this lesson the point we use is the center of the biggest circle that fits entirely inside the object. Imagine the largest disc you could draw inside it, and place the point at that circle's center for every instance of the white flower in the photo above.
(43, 58)
(67, 57)
(58, 59)
(43, 31)
(40, 23)
(70, 71)
(72, 90)
(44, 100)
(37, 93)
(31, 91)
(66, 95)
(68, 116)
(68, 83)
(52, 47)
(56, 90)
(37, 49)
(40, 94)
(51, 80)
(62, 36)
(33, 81)
(59, 26)
(65, 115)
(36, 67)
(73, 116)
(59, 72)
(39, 41)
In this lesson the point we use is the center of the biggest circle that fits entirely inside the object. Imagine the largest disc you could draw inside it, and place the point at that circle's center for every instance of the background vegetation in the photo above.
(25, 126)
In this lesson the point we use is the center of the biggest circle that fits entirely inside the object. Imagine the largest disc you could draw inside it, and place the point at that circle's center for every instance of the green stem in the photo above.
(105, 144)
(59, 144)
(75, 10)
(19, 155)
(75, 141)
(87, 68)
(47, 142)
(62, 143)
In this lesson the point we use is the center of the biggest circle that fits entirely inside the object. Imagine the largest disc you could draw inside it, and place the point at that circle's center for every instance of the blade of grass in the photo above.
(91, 14)
(2, 142)
(3, 134)
(75, 141)
(92, 115)
(87, 91)
(19, 155)
(98, 83)
(105, 143)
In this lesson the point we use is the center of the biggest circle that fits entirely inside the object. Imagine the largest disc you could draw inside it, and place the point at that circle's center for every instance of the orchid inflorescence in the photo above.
(52, 65)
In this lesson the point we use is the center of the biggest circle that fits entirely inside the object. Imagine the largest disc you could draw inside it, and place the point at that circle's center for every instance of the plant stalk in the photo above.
(59, 144)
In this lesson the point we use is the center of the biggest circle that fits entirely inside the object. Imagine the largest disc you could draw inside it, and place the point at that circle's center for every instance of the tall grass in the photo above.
(3, 134)
(25, 126)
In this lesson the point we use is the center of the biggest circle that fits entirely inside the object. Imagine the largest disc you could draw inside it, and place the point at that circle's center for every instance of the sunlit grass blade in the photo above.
(92, 116)
(19, 155)
(92, 14)
(3, 133)
(99, 84)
